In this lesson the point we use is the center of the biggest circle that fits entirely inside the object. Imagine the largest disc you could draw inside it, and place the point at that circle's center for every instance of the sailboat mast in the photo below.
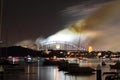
(79, 42)
(1, 13)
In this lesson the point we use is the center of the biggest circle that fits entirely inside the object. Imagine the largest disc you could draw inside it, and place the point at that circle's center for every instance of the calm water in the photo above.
(36, 72)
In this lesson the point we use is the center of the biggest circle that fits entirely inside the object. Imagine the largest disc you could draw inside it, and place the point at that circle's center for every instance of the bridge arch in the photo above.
(60, 45)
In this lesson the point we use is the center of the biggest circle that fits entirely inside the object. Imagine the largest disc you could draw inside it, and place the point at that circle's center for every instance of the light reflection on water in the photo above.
(37, 72)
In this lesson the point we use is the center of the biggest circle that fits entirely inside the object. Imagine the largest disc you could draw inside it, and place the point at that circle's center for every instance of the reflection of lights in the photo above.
(57, 46)
(56, 74)
(28, 71)
(38, 71)
(89, 64)
(13, 60)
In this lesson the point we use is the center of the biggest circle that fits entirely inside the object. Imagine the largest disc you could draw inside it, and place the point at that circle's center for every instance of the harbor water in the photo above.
(34, 71)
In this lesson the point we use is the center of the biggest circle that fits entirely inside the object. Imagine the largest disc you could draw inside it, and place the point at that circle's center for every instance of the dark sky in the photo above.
(30, 19)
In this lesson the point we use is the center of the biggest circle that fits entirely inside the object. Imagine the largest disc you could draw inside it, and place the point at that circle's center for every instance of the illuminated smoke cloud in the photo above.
(27, 44)
(104, 15)
(77, 12)
(66, 35)
(39, 41)
(99, 27)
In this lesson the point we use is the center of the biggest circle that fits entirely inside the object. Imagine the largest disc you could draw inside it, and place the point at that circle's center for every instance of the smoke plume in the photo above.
(100, 28)
(27, 44)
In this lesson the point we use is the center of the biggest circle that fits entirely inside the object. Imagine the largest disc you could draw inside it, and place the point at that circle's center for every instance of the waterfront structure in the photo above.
(60, 45)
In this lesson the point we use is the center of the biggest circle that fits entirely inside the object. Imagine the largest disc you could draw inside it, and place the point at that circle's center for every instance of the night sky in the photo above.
(30, 19)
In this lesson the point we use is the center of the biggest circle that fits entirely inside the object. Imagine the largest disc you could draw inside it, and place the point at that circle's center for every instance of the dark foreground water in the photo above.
(35, 71)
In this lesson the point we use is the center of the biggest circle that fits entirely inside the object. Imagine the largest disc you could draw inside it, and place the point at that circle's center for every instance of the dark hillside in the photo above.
(18, 51)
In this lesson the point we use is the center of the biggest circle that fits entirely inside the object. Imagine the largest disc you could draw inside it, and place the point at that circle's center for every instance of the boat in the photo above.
(75, 69)
(66, 66)
(115, 66)
(81, 71)
(103, 63)
(54, 62)
(112, 75)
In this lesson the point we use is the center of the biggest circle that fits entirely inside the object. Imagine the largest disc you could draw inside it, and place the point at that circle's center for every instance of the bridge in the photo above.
(60, 45)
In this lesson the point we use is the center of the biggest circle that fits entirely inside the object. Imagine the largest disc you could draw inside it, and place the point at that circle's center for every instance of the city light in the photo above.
(57, 46)
(90, 49)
